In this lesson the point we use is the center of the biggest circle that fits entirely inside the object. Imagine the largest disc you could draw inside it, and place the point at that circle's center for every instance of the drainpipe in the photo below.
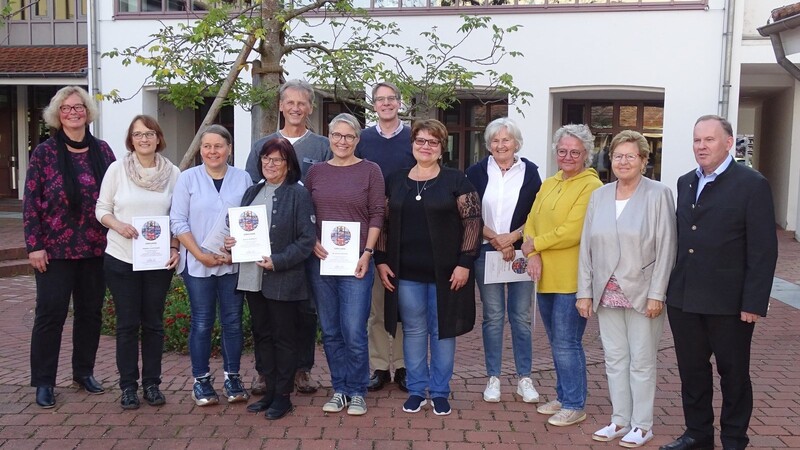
(725, 69)
(773, 30)
(94, 64)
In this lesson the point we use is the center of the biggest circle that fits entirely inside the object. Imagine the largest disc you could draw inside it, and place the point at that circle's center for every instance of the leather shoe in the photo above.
(378, 379)
(400, 379)
(279, 408)
(303, 382)
(261, 405)
(45, 397)
(89, 383)
(688, 443)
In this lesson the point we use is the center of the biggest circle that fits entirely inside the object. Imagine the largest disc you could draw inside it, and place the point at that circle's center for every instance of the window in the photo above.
(466, 121)
(331, 109)
(607, 118)
(168, 6)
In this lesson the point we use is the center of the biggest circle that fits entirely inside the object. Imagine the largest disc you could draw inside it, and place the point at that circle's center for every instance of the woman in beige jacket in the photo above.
(627, 251)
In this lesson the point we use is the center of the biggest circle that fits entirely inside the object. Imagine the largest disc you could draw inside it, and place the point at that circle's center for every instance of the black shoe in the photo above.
(88, 383)
(400, 379)
(153, 396)
(688, 443)
(45, 397)
(279, 407)
(262, 404)
(378, 379)
(129, 399)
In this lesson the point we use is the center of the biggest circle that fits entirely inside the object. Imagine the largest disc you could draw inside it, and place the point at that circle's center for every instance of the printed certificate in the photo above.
(342, 241)
(499, 271)
(215, 239)
(250, 227)
(151, 248)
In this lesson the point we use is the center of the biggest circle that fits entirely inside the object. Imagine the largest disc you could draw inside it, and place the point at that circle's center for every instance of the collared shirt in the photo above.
(703, 179)
(393, 133)
(501, 195)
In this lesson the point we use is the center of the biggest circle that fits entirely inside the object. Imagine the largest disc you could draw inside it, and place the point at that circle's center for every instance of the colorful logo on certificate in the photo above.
(248, 220)
(340, 235)
(519, 265)
(151, 230)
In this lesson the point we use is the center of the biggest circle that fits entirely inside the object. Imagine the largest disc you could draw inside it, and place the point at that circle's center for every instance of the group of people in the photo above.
(425, 232)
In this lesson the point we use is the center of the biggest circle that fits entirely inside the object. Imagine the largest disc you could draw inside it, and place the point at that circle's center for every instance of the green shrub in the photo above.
(177, 320)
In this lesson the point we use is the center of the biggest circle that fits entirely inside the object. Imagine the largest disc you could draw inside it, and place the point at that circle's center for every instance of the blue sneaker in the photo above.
(441, 407)
(414, 404)
(234, 389)
(203, 391)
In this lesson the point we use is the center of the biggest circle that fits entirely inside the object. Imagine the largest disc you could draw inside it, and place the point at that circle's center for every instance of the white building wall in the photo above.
(675, 52)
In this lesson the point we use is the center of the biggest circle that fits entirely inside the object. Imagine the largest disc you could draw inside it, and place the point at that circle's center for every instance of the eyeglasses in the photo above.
(138, 135)
(349, 138)
(79, 108)
(630, 157)
(562, 153)
(389, 98)
(217, 147)
(431, 142)
(274, 161)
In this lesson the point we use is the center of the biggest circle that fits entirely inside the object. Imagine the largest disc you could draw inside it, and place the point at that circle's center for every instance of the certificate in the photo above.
(342, 240)
(250, 227)
(151, 248)
(215, 239)
(499, 271)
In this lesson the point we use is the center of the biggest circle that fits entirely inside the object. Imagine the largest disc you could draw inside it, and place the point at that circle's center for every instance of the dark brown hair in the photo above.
(286, 150)
(149, 123)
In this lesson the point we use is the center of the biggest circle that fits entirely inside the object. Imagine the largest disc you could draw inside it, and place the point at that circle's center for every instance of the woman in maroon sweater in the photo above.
(346, 189)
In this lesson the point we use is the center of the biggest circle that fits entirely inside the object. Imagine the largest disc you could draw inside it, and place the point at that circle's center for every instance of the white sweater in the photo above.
(122, 198)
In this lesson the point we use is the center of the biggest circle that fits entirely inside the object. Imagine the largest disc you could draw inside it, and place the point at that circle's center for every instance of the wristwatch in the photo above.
(371, 251)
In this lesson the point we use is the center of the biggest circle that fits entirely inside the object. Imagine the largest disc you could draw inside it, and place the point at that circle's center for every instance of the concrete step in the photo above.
(14, 267)
(13, 253)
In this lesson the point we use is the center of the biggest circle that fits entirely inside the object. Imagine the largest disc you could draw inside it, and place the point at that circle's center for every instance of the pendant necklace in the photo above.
(419, 191)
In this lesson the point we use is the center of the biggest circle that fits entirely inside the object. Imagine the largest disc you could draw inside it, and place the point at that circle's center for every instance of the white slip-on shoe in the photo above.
(492, 392)
(637, 437)
(610, 433)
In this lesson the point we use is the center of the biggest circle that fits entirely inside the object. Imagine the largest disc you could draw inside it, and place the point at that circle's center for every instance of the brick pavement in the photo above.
(83, 421)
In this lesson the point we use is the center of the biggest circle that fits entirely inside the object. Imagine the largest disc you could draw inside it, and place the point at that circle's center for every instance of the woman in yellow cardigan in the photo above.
(553, 234)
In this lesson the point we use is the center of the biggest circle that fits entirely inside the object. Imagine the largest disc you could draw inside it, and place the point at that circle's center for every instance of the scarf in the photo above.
(154, 180)
(96, 159)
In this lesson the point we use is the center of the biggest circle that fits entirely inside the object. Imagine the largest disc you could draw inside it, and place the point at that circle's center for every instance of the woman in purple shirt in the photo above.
(346, 189)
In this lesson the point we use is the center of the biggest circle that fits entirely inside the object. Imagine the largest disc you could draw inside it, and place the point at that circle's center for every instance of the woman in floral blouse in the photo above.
(65, 242)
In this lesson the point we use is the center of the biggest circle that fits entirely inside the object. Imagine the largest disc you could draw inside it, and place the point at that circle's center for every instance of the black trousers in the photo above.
(276, 340)
(697, 337)
(139, 303)
(82, 281)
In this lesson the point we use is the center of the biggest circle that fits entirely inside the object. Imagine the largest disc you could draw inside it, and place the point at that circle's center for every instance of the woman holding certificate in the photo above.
(200, 204)
(348, 195)
(628, 249)
(276, 285)
(426, 256)
(507, 185)
(138, 185)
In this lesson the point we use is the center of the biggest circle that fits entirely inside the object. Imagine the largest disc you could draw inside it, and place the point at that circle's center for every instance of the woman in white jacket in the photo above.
(627, 251)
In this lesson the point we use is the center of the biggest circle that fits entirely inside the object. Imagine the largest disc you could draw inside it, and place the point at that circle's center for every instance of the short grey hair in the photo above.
(723, 122)
(349, 120)
(389, 85)
(298, 85)
(496, 125)
(52, 114)
(220, 131)
(580, 132)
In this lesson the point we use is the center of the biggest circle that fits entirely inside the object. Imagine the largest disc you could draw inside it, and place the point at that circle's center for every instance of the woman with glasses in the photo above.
(200, 202)
(276, 286)
(426, 255)
(65, 242)
(346, 189)
(507, 185)
(627, 251)
(552, 240)
(140, 184)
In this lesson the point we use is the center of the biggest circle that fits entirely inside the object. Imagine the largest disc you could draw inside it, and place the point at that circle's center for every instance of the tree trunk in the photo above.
(269, 74)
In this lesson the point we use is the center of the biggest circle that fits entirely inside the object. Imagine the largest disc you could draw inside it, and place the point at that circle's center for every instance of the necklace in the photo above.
(419, 191)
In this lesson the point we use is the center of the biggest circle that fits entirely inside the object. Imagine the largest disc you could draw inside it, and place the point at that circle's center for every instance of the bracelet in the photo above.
(521, 234)
(174, 248)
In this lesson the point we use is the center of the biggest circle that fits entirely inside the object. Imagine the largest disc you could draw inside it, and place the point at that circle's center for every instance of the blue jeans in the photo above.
(418, 308)
(564, 327)
(205, 295)
(343, 308)
(495, 302)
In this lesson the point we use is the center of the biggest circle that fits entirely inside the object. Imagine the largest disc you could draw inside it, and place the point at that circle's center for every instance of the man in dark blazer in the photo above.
(720, 286)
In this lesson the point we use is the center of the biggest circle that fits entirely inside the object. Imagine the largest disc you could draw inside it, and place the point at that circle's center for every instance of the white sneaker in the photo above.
(567, 417)
(636, 438)
(492, 392)
(526, 390)
(610, 433)
(549, 408)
